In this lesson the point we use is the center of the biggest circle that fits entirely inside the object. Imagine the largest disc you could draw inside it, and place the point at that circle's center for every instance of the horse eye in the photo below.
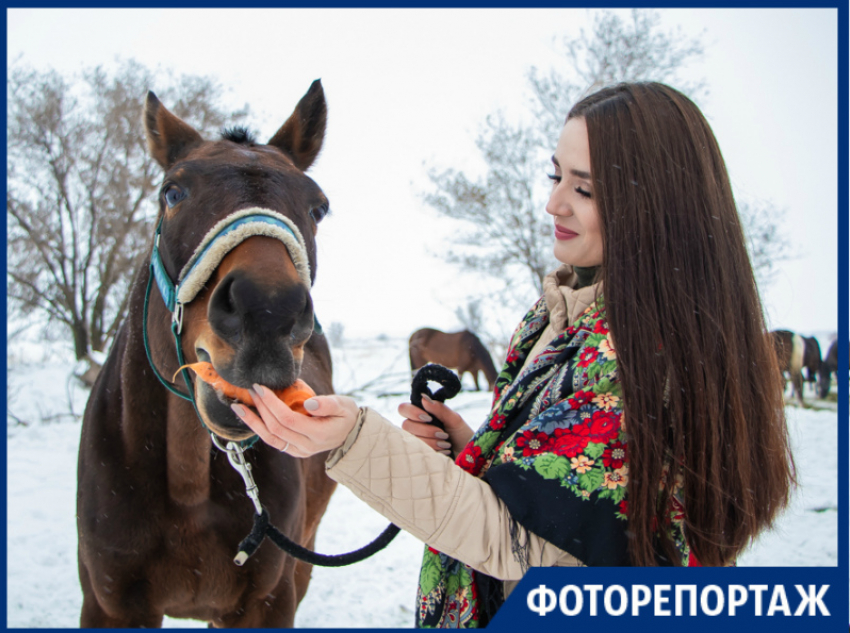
(318, 213)
(173, 194)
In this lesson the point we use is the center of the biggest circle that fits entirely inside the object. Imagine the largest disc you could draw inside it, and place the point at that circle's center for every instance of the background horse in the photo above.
(462, 351)
(828, 366)
(160, 511)
(789, 349)
(811, 360)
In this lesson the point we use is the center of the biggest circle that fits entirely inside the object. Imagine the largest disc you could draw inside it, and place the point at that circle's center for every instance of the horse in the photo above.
(811, 360)
(828, 366)
(789, 348)
(462, 351)
(160, 510)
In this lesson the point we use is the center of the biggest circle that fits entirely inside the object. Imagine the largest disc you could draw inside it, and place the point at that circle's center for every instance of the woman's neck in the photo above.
(586, 275)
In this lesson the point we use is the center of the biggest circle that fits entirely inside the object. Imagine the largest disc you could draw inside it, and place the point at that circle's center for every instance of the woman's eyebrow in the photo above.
(575, 172)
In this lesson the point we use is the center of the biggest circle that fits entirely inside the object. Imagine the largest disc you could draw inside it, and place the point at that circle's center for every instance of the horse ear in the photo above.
(168, 136)
(302, 135)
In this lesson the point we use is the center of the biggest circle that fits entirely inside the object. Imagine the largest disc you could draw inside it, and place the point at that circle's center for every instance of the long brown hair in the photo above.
(701, 387)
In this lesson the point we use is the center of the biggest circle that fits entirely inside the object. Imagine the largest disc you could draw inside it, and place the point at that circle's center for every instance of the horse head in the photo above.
(238, 221)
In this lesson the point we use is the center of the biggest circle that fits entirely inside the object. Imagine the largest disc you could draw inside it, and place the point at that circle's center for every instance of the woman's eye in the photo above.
(173, 194)
(317, 214)
(555, 178)
(582, 192)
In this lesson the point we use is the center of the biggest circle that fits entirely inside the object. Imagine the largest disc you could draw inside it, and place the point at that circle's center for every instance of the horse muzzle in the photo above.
(243, 303)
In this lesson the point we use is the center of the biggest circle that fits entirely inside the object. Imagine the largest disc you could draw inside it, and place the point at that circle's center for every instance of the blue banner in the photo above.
(696, 599)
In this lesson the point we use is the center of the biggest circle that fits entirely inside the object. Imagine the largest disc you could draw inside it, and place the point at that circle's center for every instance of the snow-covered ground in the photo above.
(44, 405)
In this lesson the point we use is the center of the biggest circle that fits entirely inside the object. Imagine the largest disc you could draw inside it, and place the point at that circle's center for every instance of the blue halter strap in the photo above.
(170, 293)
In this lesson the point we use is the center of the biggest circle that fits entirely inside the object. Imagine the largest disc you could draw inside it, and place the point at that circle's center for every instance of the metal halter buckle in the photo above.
(177, 316)
(236, 457)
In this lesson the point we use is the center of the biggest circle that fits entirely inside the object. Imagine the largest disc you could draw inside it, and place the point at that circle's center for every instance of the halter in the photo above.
(220, 240)
(217, 243)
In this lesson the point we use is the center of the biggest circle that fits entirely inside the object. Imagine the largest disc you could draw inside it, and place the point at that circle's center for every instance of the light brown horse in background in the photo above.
(790, 354)
(462, 351)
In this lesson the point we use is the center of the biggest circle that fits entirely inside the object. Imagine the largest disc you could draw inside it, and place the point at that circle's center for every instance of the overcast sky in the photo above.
(409, 88)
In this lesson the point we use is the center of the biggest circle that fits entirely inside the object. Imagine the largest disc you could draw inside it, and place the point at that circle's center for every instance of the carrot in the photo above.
(294, 396)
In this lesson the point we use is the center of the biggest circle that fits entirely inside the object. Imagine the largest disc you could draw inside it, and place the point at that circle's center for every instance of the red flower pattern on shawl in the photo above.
(615, 455)
(533, 443)
(568, 443)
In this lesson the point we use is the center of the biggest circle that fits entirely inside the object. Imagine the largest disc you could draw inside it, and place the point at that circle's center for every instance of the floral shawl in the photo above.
(555, 451)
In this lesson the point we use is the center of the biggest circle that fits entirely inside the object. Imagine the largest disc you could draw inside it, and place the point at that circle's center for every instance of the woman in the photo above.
(638, 419)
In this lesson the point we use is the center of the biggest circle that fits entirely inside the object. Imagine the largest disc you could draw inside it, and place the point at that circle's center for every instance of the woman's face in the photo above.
(578, 236)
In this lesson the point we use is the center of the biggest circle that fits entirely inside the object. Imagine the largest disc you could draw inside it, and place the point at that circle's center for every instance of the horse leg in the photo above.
(460, 372)
(796, 366)
(276, 609)
(797, 379)
(302, 574)
(93, 615)
(824, 382)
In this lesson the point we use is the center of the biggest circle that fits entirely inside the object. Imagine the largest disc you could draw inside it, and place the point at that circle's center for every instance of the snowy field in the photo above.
(44, 406)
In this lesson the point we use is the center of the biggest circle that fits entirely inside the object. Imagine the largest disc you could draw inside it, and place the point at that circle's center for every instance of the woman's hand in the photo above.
(329, 423)
(451, 441)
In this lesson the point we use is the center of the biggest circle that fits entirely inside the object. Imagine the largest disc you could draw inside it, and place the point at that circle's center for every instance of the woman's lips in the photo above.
(564, 234)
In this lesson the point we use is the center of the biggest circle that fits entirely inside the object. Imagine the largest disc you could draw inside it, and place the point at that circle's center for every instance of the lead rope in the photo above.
(450, 386)
(236, 451)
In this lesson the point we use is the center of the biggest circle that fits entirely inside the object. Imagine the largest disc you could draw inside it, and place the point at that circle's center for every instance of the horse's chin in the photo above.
(274, 366)
(219, 417)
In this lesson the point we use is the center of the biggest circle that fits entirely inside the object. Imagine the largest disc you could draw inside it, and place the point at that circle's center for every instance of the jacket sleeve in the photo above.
(426, 494)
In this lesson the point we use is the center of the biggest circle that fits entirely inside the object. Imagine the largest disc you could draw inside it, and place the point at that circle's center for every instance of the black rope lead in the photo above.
(262, 527)
(449, 386)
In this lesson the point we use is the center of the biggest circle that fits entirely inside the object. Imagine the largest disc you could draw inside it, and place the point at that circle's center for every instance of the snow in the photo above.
(45, 402)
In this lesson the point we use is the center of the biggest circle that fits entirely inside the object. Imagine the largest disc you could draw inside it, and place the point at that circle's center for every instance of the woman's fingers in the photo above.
(335, 407)
(438, 410)
(450, 419)
(459, 431)
(331, 419)
(270, 430)
(432, 435)
(414, 413)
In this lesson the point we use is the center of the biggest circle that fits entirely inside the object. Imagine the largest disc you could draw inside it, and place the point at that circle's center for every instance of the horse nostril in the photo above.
(223, 311)
(239, 307)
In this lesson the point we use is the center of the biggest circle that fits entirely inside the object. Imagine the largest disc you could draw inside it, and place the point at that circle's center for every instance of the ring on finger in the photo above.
(283, 450)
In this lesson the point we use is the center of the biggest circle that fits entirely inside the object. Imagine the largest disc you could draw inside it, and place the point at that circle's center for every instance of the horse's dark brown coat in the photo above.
(829, 366)
(811, 358)
(462, 351)
(160, 511)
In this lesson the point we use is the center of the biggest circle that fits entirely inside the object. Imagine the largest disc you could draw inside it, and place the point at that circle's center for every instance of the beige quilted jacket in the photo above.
(429, 496)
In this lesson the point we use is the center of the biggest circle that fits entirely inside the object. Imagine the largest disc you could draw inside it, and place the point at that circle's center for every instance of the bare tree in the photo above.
(613, 50)
(504, 231)
(505, 234)
(79, 183)
(470, 317)
(767, 245)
